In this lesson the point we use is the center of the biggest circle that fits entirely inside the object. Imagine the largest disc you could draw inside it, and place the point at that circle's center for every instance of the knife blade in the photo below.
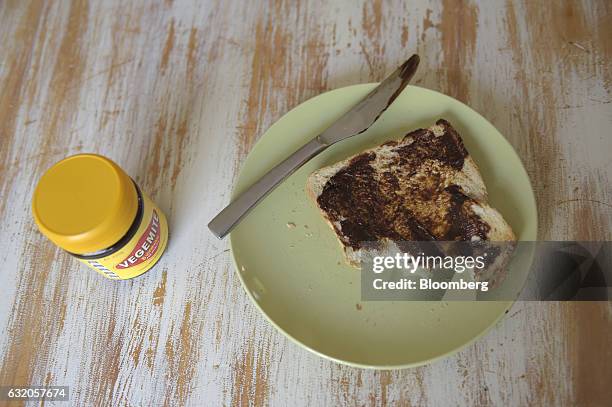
(357, 120)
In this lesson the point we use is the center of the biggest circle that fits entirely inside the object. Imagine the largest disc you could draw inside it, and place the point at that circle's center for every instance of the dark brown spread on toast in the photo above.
(410, 198)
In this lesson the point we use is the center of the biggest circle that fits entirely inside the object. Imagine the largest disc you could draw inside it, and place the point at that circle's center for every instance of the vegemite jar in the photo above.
(91, 208)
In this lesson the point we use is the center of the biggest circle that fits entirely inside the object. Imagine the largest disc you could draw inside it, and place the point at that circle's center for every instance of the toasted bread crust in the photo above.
(443, 193)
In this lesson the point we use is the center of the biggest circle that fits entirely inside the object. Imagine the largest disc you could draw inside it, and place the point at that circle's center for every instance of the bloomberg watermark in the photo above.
(486, 271)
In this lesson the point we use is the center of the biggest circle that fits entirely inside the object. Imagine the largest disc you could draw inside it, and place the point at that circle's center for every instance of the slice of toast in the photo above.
(423, 187)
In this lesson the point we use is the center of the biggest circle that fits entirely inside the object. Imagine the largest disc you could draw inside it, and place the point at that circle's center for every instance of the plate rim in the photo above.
(427, 361)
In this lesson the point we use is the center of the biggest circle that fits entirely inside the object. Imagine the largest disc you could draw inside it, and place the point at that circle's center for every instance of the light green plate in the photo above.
(296, 275)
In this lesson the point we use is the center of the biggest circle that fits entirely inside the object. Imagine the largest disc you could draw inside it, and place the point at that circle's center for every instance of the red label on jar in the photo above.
(145, 247)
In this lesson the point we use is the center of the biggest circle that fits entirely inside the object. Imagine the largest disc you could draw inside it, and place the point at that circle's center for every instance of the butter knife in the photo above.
(355, 121)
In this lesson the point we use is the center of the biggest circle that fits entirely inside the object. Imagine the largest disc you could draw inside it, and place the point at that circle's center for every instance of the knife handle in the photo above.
(232, 214)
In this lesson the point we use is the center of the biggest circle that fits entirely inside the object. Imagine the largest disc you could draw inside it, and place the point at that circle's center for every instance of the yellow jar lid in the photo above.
(85, 203)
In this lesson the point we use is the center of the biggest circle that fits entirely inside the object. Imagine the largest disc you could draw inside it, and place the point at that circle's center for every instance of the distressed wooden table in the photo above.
(177, 92)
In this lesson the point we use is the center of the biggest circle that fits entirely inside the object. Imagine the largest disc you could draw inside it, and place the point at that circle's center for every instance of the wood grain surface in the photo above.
(178, 91)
